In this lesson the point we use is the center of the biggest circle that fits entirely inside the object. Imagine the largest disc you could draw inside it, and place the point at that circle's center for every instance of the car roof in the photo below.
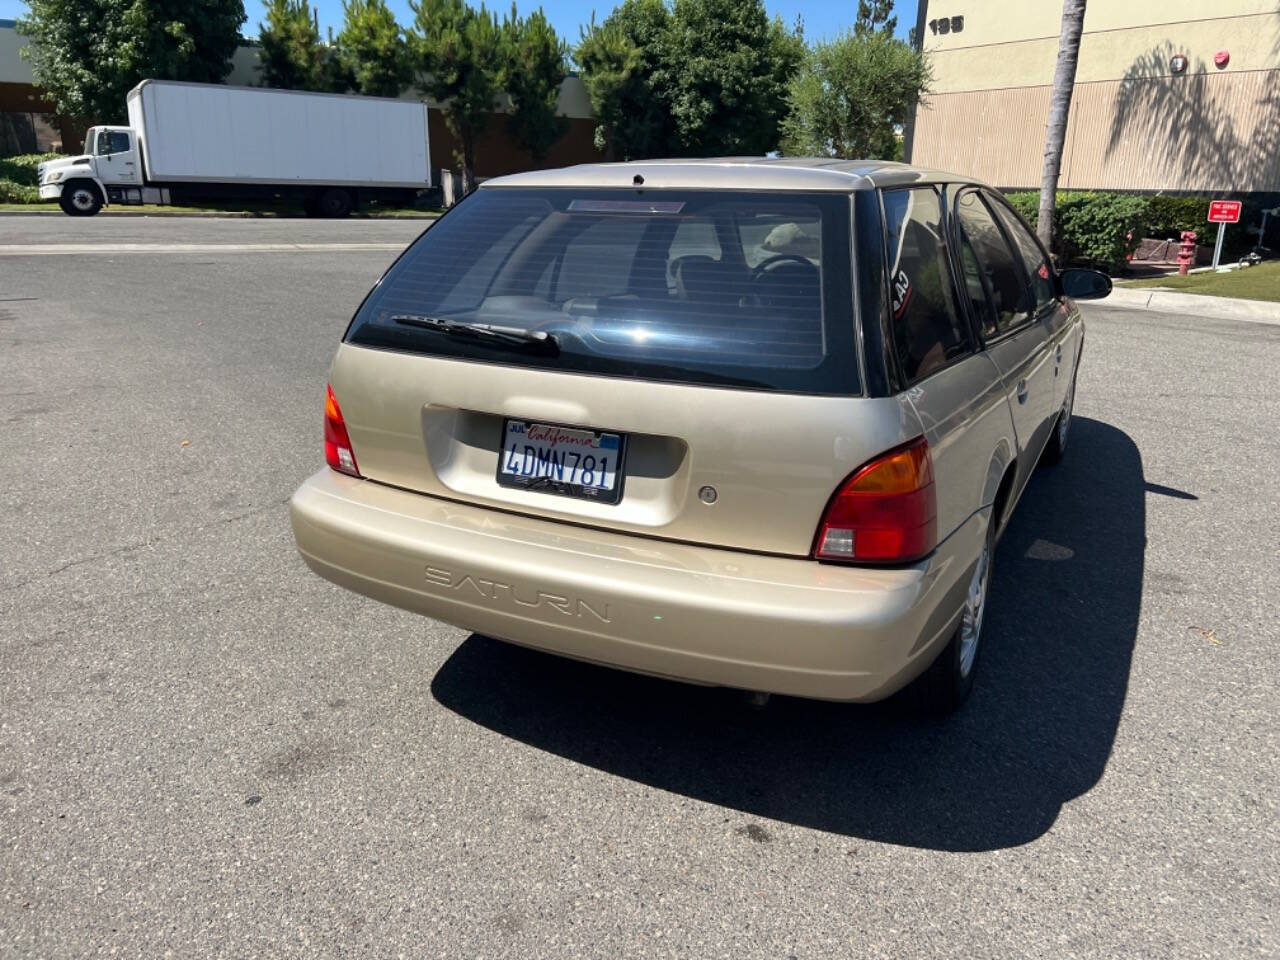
(727, 173)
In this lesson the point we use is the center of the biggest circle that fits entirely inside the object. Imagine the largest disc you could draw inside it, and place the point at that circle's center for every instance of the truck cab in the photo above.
(108, 171)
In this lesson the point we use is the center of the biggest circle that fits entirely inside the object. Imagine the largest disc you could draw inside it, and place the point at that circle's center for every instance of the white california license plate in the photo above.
(569, 461)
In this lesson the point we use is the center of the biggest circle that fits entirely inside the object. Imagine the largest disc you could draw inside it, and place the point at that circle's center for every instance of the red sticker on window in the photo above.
(901, 293)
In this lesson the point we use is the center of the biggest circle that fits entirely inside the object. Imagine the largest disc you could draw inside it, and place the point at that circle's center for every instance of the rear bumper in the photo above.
(701, 614)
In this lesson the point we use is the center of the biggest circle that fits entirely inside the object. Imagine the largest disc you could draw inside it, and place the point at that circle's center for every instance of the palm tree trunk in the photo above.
(1055, 133)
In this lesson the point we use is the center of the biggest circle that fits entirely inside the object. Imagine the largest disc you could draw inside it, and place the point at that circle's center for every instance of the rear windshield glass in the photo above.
(714, 287)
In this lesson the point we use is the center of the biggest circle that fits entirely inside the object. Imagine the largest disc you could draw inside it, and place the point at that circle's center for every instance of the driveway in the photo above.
(205, 749)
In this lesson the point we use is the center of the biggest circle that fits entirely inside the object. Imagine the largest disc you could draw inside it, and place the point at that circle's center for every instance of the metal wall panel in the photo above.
(1198, 132)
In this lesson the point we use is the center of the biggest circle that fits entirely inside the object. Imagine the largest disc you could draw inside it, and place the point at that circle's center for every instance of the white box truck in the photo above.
(192, 143)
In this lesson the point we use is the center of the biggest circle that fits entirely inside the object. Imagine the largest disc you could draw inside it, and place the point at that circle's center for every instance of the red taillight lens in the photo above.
(886, 512)
(337, 445)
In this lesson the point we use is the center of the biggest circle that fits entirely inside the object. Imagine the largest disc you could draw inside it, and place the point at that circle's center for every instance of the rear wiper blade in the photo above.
(485, 331)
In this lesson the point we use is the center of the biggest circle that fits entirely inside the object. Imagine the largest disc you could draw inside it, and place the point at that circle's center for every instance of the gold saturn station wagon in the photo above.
(751, 422)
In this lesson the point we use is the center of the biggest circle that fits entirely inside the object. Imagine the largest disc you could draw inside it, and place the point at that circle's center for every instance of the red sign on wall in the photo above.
(1224, 211)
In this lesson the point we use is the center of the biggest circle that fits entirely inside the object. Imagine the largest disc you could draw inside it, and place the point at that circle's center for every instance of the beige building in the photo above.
(1179, 95)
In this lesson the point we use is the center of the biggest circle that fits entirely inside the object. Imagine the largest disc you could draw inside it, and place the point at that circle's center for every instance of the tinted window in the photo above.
(1033, 258)
(928, 330)
(1009, 297)
(599, 261)
(771, 236)
(975, 286)
(636, 283)
(693, 238)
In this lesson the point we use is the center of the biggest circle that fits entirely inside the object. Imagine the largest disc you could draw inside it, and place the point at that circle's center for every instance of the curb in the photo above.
(1192, 304)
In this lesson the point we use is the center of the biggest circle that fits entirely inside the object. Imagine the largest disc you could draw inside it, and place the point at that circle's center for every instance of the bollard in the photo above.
(1186, 251)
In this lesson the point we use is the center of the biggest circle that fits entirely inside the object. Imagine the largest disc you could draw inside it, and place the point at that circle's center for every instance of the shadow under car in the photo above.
(1038, 731)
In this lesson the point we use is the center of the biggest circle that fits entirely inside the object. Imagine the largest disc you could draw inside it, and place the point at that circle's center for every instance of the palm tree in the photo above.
(1055, 132)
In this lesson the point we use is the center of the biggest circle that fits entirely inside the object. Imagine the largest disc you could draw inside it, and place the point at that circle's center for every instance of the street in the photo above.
(206, 749)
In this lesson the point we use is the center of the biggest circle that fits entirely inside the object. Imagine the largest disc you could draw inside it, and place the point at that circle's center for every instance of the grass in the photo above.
(1252, 283)
(239, 210)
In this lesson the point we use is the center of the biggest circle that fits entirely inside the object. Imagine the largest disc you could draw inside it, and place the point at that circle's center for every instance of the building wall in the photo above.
(13, 69)
(1134, 124)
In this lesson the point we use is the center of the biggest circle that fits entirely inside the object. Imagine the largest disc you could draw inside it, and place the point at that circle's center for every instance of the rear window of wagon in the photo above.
(726, 288)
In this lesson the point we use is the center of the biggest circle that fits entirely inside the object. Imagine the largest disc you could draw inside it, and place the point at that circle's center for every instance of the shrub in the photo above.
(12, 192)
(1099, 228)
(22, 169)
(18, 177)
(1168, 216)
(1027, 203)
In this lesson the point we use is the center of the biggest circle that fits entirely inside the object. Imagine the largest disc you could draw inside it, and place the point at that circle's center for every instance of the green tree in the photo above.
(853, 95)
(533, 68)
(293, 55)
(623, 68)
(88, 54)
(699, 77)
(457, 51)
(875, 16)
(372, 49)
(728, 65)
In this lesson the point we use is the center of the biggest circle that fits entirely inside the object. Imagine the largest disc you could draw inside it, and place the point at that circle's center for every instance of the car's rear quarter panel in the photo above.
(966, 420)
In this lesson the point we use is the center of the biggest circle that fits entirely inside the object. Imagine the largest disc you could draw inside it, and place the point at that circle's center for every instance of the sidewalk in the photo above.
(1191, 304)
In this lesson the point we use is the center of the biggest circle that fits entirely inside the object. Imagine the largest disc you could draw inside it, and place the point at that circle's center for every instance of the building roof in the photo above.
(751, 173)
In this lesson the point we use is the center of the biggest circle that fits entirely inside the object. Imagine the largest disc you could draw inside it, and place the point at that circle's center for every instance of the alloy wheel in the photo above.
(975, 605)
(1064, 421)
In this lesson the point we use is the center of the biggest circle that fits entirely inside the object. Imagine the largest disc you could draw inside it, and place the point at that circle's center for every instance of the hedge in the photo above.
(18, 180)
(1100, 228)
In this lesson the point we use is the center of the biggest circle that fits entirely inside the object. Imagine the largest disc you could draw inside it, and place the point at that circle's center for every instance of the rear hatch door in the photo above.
(671, 364)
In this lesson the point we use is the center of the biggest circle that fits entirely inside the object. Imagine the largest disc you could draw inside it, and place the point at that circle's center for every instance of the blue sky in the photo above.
(821, 19)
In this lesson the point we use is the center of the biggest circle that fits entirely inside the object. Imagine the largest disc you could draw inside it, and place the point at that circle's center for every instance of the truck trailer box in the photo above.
(210, 133)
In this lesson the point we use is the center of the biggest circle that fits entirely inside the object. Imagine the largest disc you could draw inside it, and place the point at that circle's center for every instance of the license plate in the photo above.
(569, 461)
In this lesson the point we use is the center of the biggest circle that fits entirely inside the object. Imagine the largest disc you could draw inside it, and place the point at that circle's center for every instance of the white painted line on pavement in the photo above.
(54, 249)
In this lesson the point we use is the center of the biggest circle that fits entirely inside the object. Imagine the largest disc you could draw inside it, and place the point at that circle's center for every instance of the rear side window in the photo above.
(1033, 259)
(1008, 301)
(928, 330)
(711, 287)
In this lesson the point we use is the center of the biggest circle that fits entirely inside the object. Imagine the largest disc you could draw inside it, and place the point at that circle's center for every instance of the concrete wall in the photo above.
(1134, 125)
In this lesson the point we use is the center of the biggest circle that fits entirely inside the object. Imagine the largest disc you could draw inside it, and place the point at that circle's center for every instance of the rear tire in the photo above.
(333, 203)
(946, 685)
(80, 198)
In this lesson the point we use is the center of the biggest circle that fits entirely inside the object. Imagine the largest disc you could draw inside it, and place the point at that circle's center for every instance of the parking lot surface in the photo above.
(205, 749)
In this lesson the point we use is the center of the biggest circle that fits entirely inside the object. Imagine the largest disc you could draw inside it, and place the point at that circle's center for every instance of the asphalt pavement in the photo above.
(207, 751)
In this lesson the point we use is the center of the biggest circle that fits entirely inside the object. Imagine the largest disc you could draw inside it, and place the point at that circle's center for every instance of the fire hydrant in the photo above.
(1186, 251)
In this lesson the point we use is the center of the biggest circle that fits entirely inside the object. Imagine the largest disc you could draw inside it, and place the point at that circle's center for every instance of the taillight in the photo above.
(337, 445)
(886, 512)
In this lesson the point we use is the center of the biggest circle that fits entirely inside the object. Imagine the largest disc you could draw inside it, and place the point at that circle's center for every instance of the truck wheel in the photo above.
(946, 685)
(80, 198)
(334, 202)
